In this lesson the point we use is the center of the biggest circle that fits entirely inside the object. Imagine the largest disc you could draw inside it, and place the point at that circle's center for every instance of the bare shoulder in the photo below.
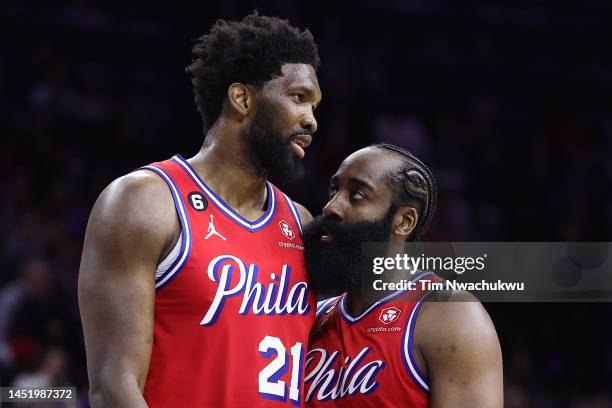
(305, 215)
(135, 204)
(454, 329)
(456, 314)
(136, 186)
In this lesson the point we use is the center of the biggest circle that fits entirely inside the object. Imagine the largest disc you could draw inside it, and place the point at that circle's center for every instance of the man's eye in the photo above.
(358, 195)
(298, 97)
(332, 192)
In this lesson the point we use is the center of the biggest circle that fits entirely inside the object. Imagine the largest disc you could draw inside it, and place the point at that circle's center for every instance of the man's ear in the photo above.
(405, 221)
(239, 98)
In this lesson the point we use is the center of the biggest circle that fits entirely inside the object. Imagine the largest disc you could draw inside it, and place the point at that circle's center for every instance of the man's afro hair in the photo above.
(251, 52)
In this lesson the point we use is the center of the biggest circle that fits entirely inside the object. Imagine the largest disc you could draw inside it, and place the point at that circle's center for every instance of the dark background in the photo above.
(509, 102)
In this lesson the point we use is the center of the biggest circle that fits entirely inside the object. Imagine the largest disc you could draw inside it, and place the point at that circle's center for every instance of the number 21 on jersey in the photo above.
(270, 384)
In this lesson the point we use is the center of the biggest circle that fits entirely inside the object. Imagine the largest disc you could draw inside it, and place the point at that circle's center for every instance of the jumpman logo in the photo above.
(212, 230)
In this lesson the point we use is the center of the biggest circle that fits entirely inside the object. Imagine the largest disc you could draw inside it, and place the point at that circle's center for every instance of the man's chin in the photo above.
(289, 171)
(330, 271)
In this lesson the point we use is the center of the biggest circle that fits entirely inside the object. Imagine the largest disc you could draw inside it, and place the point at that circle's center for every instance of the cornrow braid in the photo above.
(418, 182)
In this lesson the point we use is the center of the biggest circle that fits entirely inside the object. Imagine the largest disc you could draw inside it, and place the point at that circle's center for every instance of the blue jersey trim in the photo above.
(350, 319)
(294, 211)
(302, 356)
(252, 226)
(185, 250)
(324, 304)
(407, 342)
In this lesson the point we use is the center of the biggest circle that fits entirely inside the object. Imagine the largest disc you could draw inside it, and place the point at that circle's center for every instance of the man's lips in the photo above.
(300, 143)
(302, 140)
(327, 238)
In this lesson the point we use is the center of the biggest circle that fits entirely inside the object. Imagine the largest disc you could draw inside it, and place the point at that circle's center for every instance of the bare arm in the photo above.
(129, 228)
(305, 215)
(461, 352)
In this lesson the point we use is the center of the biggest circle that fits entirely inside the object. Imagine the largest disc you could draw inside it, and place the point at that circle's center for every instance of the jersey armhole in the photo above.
(163, 277)
(408, 348)
(164, 265)
(294, 211)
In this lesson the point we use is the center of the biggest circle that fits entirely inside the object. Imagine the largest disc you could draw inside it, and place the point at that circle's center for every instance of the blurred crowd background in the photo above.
(508, 101)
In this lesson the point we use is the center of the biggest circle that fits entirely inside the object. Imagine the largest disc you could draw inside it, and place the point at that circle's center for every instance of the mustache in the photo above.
(321, 225)
(353, 234)
(301, 132)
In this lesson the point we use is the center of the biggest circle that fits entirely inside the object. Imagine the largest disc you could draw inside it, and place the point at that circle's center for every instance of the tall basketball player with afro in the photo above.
(192, 283)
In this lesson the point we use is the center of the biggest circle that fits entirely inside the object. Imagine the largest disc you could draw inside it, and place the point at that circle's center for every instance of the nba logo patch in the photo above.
(389, 314)
(286, 230)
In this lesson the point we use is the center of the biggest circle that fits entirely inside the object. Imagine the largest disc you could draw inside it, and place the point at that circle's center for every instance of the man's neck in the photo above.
(357, 302)
(223, 164)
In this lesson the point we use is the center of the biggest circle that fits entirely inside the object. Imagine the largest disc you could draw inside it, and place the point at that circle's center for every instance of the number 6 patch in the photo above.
(197, 201)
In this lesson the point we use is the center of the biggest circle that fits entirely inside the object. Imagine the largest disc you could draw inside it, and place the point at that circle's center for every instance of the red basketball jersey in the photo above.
(367, 361)
(233, 310)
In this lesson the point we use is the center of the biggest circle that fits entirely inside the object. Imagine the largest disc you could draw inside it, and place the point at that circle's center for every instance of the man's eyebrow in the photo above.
(303, 88)
(310, 92)
(362, 183)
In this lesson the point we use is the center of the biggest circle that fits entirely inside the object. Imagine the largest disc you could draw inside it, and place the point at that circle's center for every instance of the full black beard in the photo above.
(335, 267)
(271, 151)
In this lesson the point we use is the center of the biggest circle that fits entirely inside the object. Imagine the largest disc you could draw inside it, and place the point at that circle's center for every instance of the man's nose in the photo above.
(309, 122)
(334, 208)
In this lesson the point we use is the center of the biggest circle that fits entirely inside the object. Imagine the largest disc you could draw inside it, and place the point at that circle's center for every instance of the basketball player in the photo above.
(392, 349)
(192, 284)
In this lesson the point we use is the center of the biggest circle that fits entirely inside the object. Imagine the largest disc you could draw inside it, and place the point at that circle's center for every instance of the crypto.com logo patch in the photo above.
(389, 314)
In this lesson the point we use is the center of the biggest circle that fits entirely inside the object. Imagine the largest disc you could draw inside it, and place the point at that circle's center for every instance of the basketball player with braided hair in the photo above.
(370, 348)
